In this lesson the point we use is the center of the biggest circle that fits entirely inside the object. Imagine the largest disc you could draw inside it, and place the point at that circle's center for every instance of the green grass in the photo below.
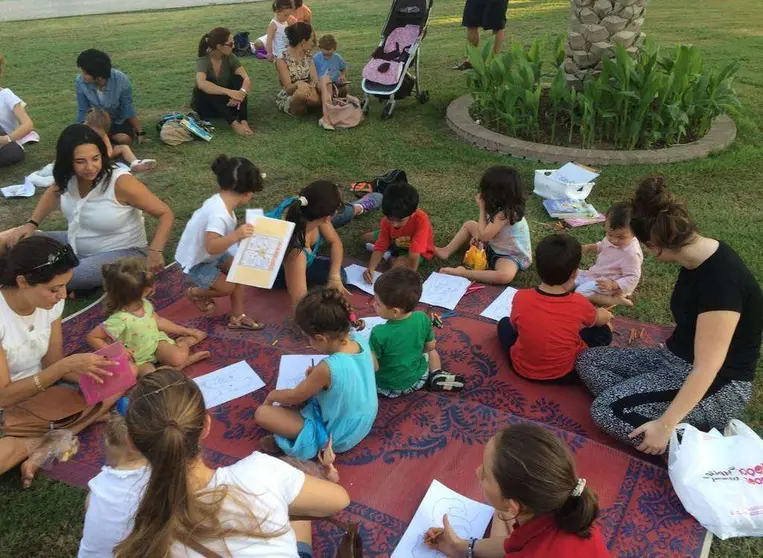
(157, 50)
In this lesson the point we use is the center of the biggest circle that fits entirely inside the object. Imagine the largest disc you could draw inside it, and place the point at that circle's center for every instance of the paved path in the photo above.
(16, 10)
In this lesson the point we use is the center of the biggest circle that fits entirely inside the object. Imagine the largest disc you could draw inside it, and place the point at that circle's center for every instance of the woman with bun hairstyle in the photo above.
(203, 248)
(703, 375)
(190, 509)
(33, 279)
(222, 84)
(301, 88)
(543, 509)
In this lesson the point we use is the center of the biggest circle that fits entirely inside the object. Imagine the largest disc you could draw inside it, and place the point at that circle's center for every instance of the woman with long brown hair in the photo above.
(222, 84)
(703, 375)
(542, 507)
(190, 509)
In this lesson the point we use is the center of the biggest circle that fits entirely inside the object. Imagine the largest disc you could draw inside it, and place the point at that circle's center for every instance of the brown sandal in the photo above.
(239, 323)
(204, 304)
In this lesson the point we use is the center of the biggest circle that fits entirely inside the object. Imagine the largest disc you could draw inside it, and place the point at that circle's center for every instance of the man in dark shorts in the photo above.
(100, 86)
(490, 15)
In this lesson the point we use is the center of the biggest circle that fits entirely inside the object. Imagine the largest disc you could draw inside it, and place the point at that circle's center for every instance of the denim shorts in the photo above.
(205, 273)
(493, 257)
(304, 550)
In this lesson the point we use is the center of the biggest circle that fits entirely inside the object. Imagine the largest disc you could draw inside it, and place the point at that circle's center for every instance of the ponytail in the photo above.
(203, 45)
(165, 419)
(210, 41)
(318, 200)
(659, 218)
(534, 468)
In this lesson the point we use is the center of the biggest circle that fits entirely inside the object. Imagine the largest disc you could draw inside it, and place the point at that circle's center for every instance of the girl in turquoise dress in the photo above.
(133, 322)
(337, 396)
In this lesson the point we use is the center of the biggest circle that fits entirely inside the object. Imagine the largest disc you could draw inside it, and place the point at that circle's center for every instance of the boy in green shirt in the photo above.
(402, 346)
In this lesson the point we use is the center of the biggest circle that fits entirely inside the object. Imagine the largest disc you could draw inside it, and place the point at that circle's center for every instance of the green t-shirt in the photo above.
(228, 67)
(399, 348)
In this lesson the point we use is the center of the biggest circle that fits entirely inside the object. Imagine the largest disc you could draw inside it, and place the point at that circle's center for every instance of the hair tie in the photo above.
(172, 423)
(302, 201)
(578, 490)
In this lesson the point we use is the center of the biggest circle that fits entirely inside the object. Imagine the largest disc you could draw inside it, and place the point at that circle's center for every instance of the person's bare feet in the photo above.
(246, 125)
(240, 129)
(193, 340)
(28, 473)
(268, 445)
(441, 253)
(623, 300)
(196, 357)
(457, 271)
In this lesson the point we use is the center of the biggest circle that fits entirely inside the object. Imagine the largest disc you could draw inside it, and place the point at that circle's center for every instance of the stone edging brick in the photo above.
(721, 134)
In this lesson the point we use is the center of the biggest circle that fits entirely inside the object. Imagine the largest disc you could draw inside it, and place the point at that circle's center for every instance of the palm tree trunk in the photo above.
(595, 26)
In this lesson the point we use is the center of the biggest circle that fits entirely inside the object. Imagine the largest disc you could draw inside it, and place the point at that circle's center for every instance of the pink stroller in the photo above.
(393, 72)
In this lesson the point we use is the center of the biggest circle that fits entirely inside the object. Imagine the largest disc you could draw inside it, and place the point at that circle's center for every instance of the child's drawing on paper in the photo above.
(261, 252)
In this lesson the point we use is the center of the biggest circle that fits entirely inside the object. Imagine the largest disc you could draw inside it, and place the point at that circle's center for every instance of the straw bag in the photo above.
(56, 408)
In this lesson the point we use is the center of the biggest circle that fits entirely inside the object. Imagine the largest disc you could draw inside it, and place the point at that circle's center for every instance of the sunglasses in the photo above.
(64, 258)
(230, 44)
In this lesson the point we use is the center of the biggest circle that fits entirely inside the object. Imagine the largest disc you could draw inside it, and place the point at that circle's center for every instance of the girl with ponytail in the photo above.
(337, 396)
(542, 507)
(704, 374)
(189, 509)
(317, 212)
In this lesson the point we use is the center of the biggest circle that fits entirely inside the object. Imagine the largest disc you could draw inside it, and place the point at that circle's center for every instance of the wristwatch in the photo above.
(470, 548)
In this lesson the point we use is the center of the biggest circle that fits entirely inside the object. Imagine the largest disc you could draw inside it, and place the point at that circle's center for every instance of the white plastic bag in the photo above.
(547, 187)
(719, 479)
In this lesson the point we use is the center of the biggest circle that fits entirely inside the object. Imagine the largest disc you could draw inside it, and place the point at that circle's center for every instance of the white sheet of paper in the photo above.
(501, 307)
(25, 190)
(468, 518)
(355, 277)
(228, 383)
(371, 322)
(444, 290)
(292, 370)
(252, 214)
(574, 174)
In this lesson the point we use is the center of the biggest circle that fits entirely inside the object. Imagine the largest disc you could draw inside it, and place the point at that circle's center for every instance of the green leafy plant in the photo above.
(654, 99)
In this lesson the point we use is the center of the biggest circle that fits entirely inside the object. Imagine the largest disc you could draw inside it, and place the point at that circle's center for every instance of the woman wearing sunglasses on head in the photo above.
(222, 84)
(103, 206)
(33, 279)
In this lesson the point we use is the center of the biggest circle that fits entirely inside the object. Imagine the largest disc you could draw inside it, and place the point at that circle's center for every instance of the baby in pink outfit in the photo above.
(614, 276)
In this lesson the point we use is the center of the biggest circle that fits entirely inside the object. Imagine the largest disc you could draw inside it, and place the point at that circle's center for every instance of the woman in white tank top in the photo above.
(103, 207)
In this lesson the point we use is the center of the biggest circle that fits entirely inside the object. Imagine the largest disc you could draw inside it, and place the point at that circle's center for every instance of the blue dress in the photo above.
(346, 410)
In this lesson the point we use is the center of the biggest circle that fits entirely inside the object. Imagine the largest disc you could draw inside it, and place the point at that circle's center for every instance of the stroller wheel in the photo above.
(387, 110)
(424, 97)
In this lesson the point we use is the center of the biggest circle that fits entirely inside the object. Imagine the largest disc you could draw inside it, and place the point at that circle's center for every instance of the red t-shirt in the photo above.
(416, 236)
(542, 538)
(548, 332)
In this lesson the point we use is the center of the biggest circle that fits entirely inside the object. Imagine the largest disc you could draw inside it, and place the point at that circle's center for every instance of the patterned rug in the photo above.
(425, 436)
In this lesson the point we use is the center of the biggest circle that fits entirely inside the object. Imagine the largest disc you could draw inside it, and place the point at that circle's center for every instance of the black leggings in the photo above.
(597, 336)
(216, 106)
(317, 274)
(11, 153)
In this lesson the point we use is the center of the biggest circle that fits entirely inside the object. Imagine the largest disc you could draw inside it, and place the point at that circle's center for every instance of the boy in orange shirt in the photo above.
(404, 230)
(301, 12)
(551, 324)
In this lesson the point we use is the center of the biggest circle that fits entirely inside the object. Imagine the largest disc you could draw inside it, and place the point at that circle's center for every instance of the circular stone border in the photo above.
(721, 134)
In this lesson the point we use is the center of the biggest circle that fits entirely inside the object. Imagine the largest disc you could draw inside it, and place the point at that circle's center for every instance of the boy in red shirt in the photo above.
(404, 231)
(551, 324)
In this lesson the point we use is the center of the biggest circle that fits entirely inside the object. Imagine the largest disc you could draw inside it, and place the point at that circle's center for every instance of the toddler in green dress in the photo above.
(133, 321)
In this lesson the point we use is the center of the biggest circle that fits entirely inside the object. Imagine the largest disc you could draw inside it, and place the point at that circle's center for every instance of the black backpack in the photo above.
(241, 44)
(381, 183)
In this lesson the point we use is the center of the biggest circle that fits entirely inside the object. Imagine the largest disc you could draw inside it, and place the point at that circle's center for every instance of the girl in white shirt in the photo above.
(191, 510)
(114, 494)
(16, 128)
(203, 248)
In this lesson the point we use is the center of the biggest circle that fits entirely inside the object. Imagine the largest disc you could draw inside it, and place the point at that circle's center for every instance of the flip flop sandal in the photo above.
(465, 65)
(361, 187)
(203, 304)
(238, 323)
(443, 381)
(146, 164)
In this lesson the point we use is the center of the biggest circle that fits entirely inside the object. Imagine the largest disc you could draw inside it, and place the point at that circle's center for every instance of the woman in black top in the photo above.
(222, 84)
(703, 376)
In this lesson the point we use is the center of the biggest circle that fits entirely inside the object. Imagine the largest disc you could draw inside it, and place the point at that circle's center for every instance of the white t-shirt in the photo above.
(114, 498)
(214, 217)
(98, 222)
(25, 339)
(268, 486)
(8, 120)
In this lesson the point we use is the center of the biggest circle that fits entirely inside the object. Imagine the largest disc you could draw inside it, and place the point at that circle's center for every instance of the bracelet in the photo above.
(37, 383)
(154, 250)
(244, 91)
(33, 222)
(470, 549)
